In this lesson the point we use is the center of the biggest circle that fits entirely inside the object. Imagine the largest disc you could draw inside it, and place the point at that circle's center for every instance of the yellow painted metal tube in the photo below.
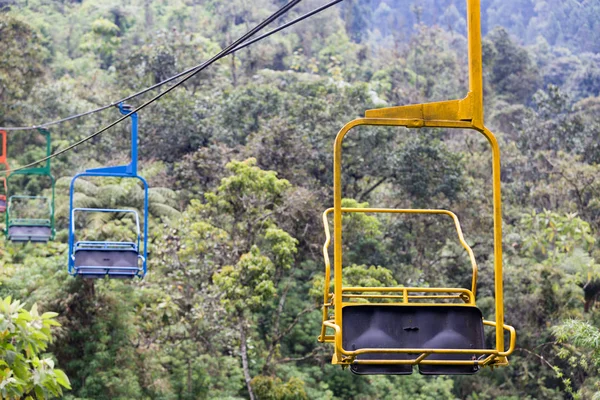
(466, 113)
(407, 289)
(337, 339)
(497, 217)
(416, 351)
(415, 362)
(513, 337)
(402, 289)
(421, 360)
(495, 352)
(391, 296)
(497, 205)
(326, 293)
(475, 61)
(357, 304)
(457, 226)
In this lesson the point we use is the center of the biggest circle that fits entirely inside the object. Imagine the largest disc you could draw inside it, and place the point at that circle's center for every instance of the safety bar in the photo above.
(109, 268)
(30, 221)
(342, 356)
(465, 295)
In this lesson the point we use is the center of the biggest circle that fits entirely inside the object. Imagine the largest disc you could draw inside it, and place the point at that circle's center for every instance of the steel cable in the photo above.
(172, 78)
(192, 73)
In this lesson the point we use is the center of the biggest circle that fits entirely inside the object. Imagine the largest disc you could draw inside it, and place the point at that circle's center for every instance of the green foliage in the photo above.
(248, 284)
(269, 388)
(512, 73)
(428, 170)
(581, 348)
(582, 335)
(552, 236)
(103, 40)
(224, 310)
(361, 275)
(25, 371)
(21, 66)
(248, 185)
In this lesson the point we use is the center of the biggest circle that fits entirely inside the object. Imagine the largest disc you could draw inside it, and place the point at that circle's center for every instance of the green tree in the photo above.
(513, 74)
(579, 343)
(21, 65)
(250, 198)
(103, 40)
(25, 371)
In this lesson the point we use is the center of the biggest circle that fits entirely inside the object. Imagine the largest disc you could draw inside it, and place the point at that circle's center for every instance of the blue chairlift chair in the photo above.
(98, 259)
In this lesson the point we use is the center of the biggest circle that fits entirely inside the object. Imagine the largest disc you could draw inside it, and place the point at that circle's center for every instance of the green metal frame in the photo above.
(40, 171)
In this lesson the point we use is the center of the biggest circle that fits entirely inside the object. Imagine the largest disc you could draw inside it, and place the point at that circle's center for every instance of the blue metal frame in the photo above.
(120, 171)
(104, 245)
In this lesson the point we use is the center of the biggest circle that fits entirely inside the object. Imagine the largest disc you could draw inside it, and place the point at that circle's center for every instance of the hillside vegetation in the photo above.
(239, 160)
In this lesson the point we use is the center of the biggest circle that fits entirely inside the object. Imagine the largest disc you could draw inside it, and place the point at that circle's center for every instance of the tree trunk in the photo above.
(233, 71)
(232, 64)
(189, 378)
(244, 352)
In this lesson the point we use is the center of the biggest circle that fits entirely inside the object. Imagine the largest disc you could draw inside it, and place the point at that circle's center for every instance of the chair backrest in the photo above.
(72, 230)
(28, 214)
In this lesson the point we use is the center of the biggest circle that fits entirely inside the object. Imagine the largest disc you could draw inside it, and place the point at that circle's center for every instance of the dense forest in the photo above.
(239, 161)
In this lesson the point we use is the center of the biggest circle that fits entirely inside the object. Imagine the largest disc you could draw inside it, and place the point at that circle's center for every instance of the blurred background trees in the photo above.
(239, 160)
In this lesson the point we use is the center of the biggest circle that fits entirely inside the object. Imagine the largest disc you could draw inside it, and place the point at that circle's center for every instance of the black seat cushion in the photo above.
(96, 263)
(413, 326)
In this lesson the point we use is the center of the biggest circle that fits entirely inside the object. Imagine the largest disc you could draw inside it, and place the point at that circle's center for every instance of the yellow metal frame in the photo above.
(466, 113)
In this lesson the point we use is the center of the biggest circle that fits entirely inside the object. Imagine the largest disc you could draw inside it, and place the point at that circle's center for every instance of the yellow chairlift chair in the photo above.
(439, 329)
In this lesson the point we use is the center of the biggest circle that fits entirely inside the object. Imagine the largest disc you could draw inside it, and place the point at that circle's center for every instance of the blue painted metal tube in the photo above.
(122, 171)
(72, 219)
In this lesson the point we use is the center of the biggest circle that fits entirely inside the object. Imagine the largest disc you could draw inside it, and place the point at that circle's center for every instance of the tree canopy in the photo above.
(239, 160)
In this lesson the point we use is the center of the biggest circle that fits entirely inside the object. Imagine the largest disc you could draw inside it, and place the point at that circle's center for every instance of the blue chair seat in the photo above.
(414, 327)
(29, 233)
(99, 259)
